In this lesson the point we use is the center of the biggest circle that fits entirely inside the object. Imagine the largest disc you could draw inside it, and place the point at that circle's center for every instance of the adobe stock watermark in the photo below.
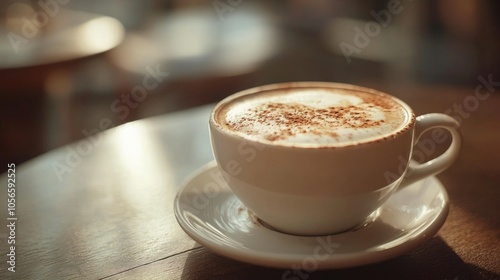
(228, 6)
(363, 37)
(245, 148)
(45, 10)
(460, 112)
(204, 194)
(323, 250)
(122, 106)
(218, 181)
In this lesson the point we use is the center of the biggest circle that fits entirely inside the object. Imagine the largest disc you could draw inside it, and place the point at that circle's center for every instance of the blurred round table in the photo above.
(37, 56)
(206, 56)
(68, 35)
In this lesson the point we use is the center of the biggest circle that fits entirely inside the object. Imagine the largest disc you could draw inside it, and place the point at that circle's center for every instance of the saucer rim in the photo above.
(334, 261)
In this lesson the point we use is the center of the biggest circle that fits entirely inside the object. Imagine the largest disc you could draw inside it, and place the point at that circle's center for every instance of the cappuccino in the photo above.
(329, 155)
(314, 115)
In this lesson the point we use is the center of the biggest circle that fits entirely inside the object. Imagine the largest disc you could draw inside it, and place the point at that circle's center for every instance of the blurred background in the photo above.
(70, 69)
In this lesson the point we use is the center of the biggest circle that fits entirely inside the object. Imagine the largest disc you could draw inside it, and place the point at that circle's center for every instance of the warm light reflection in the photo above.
(99, 34)
(141, 157)
(135, 145)
(139, 181)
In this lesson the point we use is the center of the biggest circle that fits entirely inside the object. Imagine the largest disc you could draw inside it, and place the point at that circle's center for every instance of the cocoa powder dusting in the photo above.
(299, 119)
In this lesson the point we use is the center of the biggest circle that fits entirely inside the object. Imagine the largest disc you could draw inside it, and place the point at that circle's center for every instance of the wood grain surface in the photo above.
(102, 208)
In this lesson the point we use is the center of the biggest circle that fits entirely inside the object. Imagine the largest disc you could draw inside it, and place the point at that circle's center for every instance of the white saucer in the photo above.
(209, 212)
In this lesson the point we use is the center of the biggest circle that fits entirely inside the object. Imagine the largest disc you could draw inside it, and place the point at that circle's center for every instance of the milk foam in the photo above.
(322, 116)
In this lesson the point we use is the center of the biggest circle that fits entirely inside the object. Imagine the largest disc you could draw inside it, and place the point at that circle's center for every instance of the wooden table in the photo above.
(103, 207)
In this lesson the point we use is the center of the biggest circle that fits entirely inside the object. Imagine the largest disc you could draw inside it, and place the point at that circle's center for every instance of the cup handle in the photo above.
(423, 123)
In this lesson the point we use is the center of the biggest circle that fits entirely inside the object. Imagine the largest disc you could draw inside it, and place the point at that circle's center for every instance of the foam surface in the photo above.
(313, 116)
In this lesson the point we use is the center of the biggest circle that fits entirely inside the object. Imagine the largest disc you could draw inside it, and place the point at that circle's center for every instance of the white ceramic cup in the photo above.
(305, 190)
